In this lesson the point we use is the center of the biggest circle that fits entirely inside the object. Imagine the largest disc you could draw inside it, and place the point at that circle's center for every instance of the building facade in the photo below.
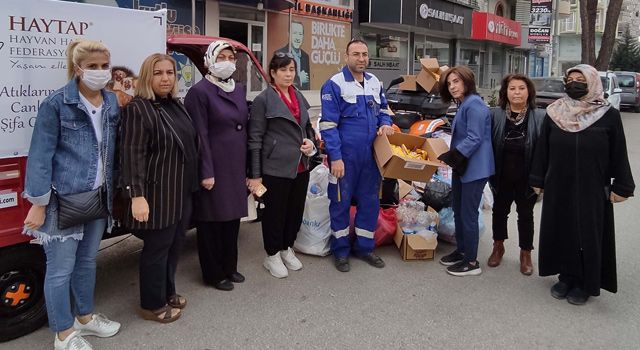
(630, 17)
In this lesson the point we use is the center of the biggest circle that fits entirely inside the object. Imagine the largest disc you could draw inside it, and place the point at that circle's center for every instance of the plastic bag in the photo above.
(487, 197)
(447, 225)
(385, 226)
(437, 194)
(319, 179)
(315, 232)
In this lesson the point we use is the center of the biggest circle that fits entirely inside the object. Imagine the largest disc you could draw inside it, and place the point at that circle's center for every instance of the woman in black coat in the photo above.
(582, 166)
(158, 159)
(280, 144)
(515, 128)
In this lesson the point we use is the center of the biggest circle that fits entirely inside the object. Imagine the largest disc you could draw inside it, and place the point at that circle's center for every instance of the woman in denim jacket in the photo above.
(72, 150)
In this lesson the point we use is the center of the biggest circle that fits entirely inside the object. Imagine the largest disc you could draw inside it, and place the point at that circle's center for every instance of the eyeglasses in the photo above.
(283, 54)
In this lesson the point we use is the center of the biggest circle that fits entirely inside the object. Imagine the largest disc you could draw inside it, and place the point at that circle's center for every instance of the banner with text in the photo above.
(318, 46)
(540, 21)
(34, 36)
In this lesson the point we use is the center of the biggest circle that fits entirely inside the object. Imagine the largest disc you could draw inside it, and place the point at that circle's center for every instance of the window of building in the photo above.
(568, 24)
(500, 9)
(599, 21)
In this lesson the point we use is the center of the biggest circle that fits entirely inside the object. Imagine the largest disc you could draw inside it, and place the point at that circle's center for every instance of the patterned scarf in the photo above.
(519, 118)
(576, 115)
(227, 85)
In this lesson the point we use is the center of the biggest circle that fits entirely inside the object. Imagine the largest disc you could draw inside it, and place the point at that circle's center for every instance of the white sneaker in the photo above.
(99, 326)
(274, 264)
(290, 260)
(73, 342)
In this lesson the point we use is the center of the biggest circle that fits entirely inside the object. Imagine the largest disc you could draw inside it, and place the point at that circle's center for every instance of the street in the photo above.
(406, 305)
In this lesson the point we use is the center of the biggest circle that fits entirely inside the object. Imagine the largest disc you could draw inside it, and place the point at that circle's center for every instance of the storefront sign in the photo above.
(426, 12)
(386, 64)
(540, 21)
(329, 9)
(440, 15)
(539, 35)
(487, 26)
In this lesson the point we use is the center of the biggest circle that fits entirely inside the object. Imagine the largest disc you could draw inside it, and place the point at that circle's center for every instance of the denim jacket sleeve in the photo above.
(43, 147)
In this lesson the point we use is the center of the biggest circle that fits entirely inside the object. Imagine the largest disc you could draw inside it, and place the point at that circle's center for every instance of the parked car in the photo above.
(548, 89)
(630, 84)
(612, 91)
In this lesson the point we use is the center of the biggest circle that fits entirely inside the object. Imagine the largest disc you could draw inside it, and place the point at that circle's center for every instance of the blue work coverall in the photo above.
(351, 115)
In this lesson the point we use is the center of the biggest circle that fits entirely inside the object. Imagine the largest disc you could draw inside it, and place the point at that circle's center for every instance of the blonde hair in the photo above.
(144, 87)
(79, 50)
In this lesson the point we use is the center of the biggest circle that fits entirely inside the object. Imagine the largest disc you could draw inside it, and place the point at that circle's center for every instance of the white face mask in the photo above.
(222, 70)
(95, 79)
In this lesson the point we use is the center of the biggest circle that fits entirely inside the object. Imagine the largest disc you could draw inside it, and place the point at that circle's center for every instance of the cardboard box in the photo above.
(427, 81)
(404, 189)
(429, 76)
(414, 247)
(430, 64)
(404, 168)
(410, 83)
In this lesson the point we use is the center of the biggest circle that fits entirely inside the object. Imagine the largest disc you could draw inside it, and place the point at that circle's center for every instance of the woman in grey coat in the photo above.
(280, 144)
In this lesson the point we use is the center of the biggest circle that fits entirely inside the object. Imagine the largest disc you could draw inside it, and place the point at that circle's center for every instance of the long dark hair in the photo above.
(279, 60)
(467, 77)
(504, 87)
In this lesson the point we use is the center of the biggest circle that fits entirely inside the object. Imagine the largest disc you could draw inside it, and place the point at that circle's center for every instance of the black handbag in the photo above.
(80, 208)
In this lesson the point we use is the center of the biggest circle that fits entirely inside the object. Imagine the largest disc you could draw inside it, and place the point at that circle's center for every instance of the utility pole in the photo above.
(555, 38)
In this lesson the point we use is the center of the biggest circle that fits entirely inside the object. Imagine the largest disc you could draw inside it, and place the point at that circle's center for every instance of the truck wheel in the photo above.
(636, 109)
(22, 308)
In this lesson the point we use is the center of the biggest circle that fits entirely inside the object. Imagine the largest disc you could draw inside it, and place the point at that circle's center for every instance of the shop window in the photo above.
(431, 49)
(496, 62)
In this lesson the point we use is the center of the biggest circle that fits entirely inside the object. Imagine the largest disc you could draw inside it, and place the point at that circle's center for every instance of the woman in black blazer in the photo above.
(280, 144)
(158, 158)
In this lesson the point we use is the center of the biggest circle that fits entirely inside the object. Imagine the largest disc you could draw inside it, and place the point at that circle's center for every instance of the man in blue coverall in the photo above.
(353, 113)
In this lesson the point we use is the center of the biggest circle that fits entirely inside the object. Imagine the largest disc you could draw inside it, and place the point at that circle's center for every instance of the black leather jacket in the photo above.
(534, 126)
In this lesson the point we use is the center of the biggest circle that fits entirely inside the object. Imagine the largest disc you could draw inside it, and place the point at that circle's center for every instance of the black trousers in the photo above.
(218, 249)
(512, 189)
(159, 261)
(284, 206)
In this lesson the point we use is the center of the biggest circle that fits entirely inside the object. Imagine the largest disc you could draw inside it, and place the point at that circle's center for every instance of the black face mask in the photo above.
(576, 89)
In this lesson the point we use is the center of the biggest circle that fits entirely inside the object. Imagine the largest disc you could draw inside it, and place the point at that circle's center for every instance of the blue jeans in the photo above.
(466, 201)
(71, 270)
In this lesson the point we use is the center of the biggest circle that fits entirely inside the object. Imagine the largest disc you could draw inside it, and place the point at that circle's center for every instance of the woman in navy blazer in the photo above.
(471, 157)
